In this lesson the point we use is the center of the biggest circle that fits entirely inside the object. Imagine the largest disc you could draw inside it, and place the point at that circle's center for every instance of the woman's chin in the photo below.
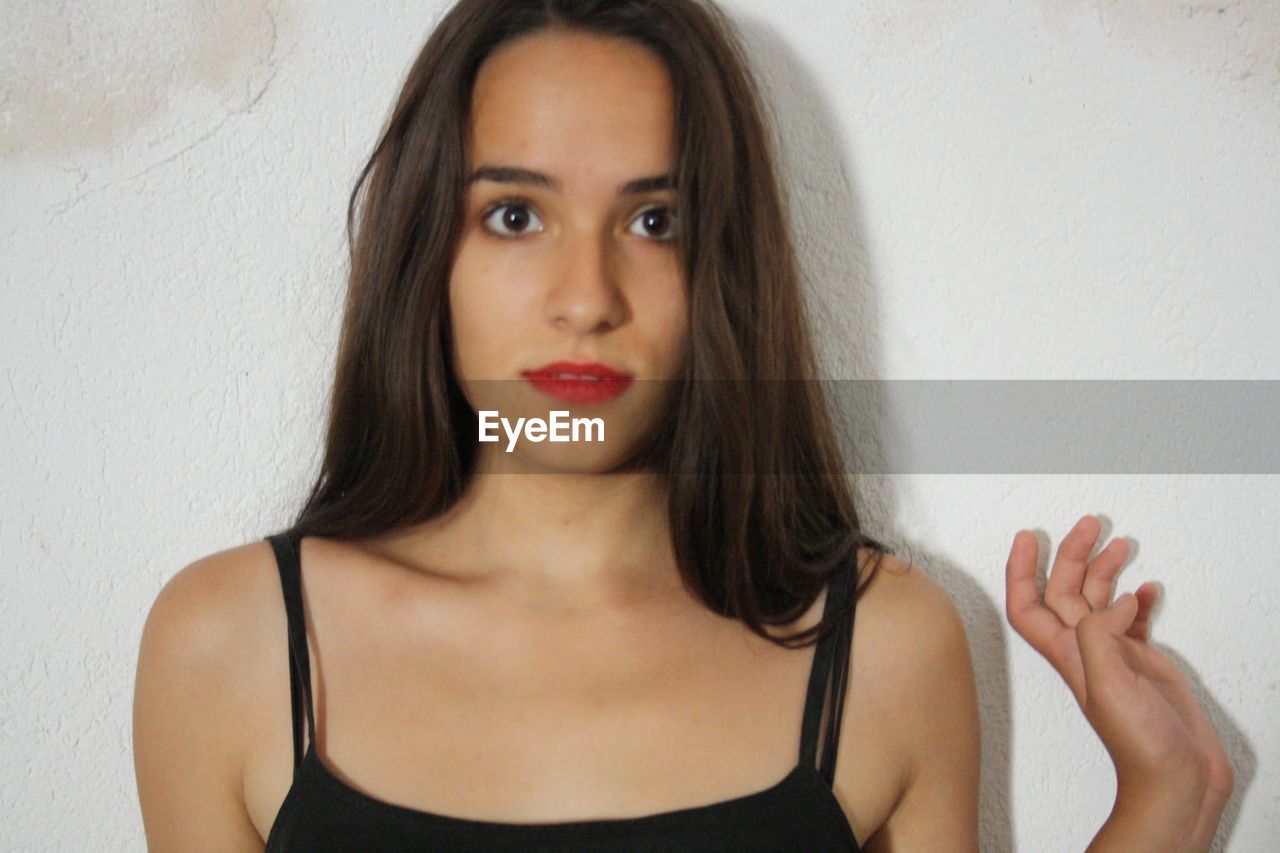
(561, 458)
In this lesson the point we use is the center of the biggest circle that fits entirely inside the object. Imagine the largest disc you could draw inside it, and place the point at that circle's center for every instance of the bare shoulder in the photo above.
(199, 653)
(912, 618)
(204, 616)
(912, 691)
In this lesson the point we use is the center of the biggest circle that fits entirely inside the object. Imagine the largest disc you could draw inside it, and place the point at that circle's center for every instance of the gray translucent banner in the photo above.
(1048, 426)
(1058, 426)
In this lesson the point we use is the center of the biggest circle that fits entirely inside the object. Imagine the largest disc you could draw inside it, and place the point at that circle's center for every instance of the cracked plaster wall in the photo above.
(1003, 190)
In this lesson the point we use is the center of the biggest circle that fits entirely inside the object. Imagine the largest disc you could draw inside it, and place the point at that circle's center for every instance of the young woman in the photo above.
(642, 643)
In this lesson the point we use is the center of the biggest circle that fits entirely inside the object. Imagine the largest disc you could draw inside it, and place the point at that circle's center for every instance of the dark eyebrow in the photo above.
(518, 175)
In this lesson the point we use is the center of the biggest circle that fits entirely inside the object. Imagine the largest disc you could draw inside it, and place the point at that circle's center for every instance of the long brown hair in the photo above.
(760, 509)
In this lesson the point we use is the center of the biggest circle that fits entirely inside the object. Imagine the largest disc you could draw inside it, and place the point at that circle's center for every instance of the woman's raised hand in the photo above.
(1172, 773)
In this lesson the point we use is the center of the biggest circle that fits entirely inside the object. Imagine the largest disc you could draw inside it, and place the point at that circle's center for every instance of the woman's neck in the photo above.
(571, 542)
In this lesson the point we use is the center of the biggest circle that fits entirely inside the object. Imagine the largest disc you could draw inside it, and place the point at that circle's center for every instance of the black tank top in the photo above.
(800, 812)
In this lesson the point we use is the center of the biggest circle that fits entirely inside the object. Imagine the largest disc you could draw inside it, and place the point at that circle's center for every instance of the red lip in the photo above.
(571, 389)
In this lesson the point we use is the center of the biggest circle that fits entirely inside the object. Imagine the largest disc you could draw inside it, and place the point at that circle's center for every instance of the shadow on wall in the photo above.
(839, 280)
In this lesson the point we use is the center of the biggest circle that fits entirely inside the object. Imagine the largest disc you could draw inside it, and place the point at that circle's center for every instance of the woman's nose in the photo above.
(584, 296)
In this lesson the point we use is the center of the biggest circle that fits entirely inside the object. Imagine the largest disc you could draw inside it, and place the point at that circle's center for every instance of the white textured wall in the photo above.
(1061, 189)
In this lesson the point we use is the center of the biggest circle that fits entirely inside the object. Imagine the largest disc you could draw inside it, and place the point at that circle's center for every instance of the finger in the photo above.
(1104, 664)
(1066, 579)
(1023, 607)
(1100, 577)
(1148, 595)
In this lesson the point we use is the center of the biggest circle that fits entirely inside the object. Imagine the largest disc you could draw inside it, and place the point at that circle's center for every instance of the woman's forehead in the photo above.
(570, 102)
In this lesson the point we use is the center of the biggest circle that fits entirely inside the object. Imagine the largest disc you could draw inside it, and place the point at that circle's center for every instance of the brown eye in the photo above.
(658, 223)
(511, 219)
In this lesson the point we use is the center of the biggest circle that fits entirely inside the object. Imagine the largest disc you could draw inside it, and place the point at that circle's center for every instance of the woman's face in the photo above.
(566, 263)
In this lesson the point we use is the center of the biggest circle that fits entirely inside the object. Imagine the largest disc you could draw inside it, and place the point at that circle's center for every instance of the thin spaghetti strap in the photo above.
(831, 648)
(842, 639)
(286, 547)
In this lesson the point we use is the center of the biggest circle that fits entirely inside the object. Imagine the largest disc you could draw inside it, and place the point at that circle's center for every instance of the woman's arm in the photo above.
(1173, 778)
(186, 714)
